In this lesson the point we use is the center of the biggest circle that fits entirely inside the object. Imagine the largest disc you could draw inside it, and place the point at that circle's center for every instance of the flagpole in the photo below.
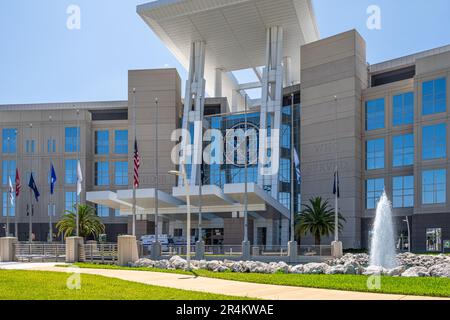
(8, 197)
(336, 181)
(157, 177)
(245, 175)
(50, 208)
(292, 169)
(30, 212)
(16, 224)
(134, 184)
(78, 146)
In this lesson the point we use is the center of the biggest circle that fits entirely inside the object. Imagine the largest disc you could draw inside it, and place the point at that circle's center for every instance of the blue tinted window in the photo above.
(101, 173)
(30, 146)
(51, 145)
(9, 140)
(102, 142)
(70, 201)
(71, 171)
(434, 96)
(8, 209)
(375, 154)
(434, 142)
(102, 211)
(375, 114)
(403, 150)
(72, 140)
(434, 186)
(8, 170)
(403, 109)
(374, 190)
(121, 174)
(121, 142)
(403, 192)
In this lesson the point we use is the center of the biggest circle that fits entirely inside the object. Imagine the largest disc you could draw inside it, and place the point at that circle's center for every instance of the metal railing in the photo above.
(313, 250)
(270, 251)
(40, 252)
(102, 253)
(223, 250)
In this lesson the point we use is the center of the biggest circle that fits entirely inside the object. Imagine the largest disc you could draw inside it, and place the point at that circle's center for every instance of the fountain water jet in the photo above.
(382, 251)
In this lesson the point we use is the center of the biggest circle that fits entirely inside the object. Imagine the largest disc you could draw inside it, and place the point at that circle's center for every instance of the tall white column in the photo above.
(218, 83)
(271, 101)
(194, 107)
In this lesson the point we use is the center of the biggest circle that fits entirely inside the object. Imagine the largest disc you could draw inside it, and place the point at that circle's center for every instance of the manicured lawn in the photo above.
(36, 285)
(437, 287)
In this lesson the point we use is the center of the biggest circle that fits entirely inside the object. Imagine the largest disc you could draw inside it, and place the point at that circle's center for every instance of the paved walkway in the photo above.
(219, 286)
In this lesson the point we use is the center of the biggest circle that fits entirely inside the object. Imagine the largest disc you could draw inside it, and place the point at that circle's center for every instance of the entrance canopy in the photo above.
(213, 200)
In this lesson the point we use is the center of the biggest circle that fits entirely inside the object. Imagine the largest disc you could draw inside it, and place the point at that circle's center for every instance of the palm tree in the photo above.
(317, 218)
(89, 222)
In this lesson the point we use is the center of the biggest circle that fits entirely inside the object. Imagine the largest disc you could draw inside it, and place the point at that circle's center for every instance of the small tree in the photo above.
(317, 218)
(89, 223)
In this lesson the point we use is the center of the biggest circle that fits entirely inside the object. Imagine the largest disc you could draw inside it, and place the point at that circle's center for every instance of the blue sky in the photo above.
(43, 61)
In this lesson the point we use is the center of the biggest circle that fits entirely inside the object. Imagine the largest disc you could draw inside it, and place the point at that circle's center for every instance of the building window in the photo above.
(177, 232)
(403, 150)
(71, 171)
(9, 140)
(403, 109)
(101, 173)
(30, 146)
(102, 211)
(70, 201)
(434, 96)
(403, 192)
(8, 209)
(72, 139)
(51, 146)
(434, 142)
(121, 142)
(434, 186)
(117, 212)
(375, 154)
(434, 239)
(374, 190)
(375, 114)
(102, 142)
(121, 174)
(8, 171)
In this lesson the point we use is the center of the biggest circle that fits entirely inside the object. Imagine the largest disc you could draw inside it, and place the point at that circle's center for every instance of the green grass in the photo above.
(37, 285)
(429, 286)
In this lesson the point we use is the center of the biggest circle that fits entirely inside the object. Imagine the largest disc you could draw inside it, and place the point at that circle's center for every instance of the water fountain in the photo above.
(382, 251)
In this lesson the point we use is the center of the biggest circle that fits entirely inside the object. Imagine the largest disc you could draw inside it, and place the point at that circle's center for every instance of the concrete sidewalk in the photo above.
(227, 287)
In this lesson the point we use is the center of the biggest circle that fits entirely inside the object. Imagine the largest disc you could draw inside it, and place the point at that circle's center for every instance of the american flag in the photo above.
(137, 164)
(18, 186)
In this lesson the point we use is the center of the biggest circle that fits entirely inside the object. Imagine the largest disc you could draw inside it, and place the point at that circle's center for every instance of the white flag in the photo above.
(79, 178)
(11, 192)
(297, 166)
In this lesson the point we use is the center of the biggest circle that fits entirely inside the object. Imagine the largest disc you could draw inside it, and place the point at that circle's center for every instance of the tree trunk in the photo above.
(317, 239)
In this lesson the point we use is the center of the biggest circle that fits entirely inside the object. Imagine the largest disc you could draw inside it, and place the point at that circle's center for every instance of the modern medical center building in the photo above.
(384, 126)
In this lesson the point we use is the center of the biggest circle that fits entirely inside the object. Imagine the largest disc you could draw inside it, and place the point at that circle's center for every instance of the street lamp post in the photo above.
(188, 203)
(409, 234)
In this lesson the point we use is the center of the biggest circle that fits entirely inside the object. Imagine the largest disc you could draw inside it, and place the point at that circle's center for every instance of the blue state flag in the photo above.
(52, 179)
(32, 185)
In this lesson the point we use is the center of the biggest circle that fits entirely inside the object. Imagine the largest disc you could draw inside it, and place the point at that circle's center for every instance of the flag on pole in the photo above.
(52, 179)
(18, 186)
(79, 178)
(297, 166)
(11, 192)
(32, 185)
(137, 164)
(336, 190)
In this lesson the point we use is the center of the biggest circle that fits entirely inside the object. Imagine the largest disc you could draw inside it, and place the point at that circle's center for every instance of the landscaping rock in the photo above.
(298, 269)
(396, 272)
(416, 272)
(315, 268)
(440, 270)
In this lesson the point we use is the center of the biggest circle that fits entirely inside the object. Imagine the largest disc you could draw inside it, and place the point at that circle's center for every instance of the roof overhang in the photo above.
(108, 199)
(234, 30)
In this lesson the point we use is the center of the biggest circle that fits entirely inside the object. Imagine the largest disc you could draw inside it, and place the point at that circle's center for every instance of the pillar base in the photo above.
(199, 250)
(73, 249)
(256, 251)
(292, 251)
(7, 249)
(127, 250)
(336, 249)
(155, 250)
(246, 250)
